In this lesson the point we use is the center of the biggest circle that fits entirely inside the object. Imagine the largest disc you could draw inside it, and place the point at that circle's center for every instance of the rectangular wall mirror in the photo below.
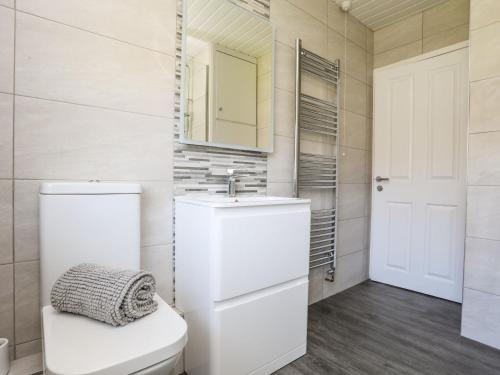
(227, 95)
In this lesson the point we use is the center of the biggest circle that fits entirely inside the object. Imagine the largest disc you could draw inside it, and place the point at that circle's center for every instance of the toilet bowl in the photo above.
(99, 223)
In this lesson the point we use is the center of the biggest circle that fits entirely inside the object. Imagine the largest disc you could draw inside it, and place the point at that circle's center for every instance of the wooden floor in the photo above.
(373, 328)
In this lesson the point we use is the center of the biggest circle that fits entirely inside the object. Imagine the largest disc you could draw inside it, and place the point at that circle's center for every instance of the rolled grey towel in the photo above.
(114, 296)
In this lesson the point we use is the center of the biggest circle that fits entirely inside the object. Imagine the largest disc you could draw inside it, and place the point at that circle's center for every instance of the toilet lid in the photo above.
(76, 344)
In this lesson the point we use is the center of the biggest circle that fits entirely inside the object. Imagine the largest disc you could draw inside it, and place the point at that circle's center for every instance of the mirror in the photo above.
(227, 77)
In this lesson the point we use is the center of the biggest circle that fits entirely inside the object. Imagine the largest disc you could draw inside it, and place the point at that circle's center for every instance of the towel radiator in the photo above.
(315, 171)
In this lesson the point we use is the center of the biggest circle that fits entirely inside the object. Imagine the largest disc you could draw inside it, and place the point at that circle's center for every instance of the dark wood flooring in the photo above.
(373, 329)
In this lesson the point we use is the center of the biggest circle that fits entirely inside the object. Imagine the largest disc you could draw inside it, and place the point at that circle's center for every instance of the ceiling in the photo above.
(379, 13)
(226, 24)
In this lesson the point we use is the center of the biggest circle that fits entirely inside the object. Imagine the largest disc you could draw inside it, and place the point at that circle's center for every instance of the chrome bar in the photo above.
(312, 55)
(321, 253)
(322, 246)
(322, 264)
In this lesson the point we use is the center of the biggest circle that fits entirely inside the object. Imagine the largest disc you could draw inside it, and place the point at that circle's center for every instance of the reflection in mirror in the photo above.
(227, 93)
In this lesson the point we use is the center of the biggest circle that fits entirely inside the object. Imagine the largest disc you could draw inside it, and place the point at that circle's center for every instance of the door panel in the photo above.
(418, 215)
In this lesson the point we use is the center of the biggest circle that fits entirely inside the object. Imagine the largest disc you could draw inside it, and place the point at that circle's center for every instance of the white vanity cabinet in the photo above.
(242, 282)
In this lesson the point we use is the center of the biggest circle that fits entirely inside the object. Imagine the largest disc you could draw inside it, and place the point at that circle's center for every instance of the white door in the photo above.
(418, 213)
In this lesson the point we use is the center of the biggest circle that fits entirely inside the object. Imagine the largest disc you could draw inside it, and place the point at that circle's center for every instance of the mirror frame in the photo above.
(182, 137)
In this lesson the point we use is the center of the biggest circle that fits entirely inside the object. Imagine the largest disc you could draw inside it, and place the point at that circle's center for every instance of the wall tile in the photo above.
(94, 73)
(284, 67)
(7, 48)
(398, 34)
(484, 110)
(318, 9)
(446, 38)
(6, 245)
(484, 12)
(370, 40)
(445, 16)
(352, 200)
(27, 301)
(355, 96)
(280, 189)
(26, 220)
(28, 348)
(369, 69)
(485, 42)
(351, 236)
(6, 133)
(484, 159)
(65, 141)
(483, 212)
(353, 133)
(280, 162)
(156, 213)
(316, 279)
(7, 3)
(158, 261)
(352, 165)
(482, 265)
(356, 31)
(480, 312)
(291, 23)
(356, 62)
(7, 302)
(336, 48)
(284, 113)
(336, 18)
(351, 270)
(397, 54)
(154, 21)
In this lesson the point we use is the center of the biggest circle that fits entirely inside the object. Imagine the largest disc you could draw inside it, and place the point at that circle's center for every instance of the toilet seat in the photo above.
(76, 344)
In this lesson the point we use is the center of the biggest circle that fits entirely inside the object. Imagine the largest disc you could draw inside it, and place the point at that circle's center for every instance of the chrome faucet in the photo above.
(231, 183)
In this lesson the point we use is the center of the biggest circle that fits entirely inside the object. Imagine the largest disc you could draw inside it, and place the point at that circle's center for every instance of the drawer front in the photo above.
(252, 334)
(257, 250)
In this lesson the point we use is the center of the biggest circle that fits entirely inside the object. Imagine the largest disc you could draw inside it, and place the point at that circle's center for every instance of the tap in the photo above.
(231, 183)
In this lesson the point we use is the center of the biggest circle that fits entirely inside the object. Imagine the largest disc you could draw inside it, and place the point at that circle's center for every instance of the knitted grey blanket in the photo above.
(114, 296)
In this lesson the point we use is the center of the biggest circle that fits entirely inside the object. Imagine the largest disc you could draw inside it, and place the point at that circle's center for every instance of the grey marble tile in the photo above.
(351, 236)
(352, 200)
(7, 48)
(351, 270)
(484, 110)
(484, 159)
(156, 213)
(6, 134)
(280, 162)
(482, 265)
(483, 13)
(353, 165)
(26, 220)
(27, 301)
(483, 212)
(280, 189)
(317, 9)
(6, 225)
(336, 18)
(7, 302)
(158, 261)
(484, 52)
(28, 348)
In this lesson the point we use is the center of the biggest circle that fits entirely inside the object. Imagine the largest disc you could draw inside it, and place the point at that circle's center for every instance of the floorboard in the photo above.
(375, 329)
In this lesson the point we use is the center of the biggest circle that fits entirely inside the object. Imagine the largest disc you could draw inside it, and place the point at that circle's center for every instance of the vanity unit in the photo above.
(241, 280)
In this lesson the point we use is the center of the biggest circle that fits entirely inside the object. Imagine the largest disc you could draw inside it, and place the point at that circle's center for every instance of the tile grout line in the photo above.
(13, 185)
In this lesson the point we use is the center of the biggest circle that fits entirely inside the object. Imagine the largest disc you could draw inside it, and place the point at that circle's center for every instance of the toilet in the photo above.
(99, 223)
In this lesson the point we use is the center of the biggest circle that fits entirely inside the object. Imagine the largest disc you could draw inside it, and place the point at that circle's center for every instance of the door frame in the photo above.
(425, 56)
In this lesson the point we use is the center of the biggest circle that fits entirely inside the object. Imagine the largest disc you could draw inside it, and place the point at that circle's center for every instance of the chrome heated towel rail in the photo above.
(315, 171)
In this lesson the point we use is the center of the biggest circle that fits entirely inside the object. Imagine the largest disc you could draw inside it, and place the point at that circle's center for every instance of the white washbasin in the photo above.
(216, 201)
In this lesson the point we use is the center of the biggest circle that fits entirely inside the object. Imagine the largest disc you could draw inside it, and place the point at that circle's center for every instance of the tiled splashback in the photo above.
(202, 169)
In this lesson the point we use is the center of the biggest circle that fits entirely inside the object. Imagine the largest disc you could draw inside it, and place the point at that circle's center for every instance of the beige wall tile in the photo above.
(353, 132)
(484, 12)
(6, 134)
(336, 18)
(7, 48)
(27, 301)
(28, 348)
(485, 52)
(318, 8)
(280, 189)
(484, 159)
(154, 21)
(284, 113)
(351, 270)
(351, 236)
(352, 200)
(26, 220)
(369, 69)
(280, 162)
(7, 302)
(158, 261)
(356, 31)
(292, 22)
(482, 265)
(483, 212)
(480, 312)
(352, 165)
(316, 279)
(336, 48)
(356, 62)
(65, 141)
(7, 3)
(355, 92)
(6, 245)
(445, 16)
(370, 40)
(156, 213)
(446, 38)
(398, 34)
(484, 109)
(94, 73)
(284, 67)
(397, 54)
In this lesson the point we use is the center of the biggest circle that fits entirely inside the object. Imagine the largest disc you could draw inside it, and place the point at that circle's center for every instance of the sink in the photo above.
(216, 201)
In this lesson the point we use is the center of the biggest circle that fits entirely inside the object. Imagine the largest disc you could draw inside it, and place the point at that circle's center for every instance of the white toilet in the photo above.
(99, 223)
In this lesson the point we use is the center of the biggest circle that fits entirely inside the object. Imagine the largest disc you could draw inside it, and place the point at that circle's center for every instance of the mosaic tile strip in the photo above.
(201, 169)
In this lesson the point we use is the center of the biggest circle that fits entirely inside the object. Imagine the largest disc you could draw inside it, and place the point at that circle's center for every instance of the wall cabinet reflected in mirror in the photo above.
(227, 77)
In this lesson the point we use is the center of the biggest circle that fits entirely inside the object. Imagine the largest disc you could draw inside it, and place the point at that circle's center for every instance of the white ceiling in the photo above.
(379, 13)
(226, 24)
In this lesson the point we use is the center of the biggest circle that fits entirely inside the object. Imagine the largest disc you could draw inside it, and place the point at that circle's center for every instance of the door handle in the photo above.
(380, 179)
